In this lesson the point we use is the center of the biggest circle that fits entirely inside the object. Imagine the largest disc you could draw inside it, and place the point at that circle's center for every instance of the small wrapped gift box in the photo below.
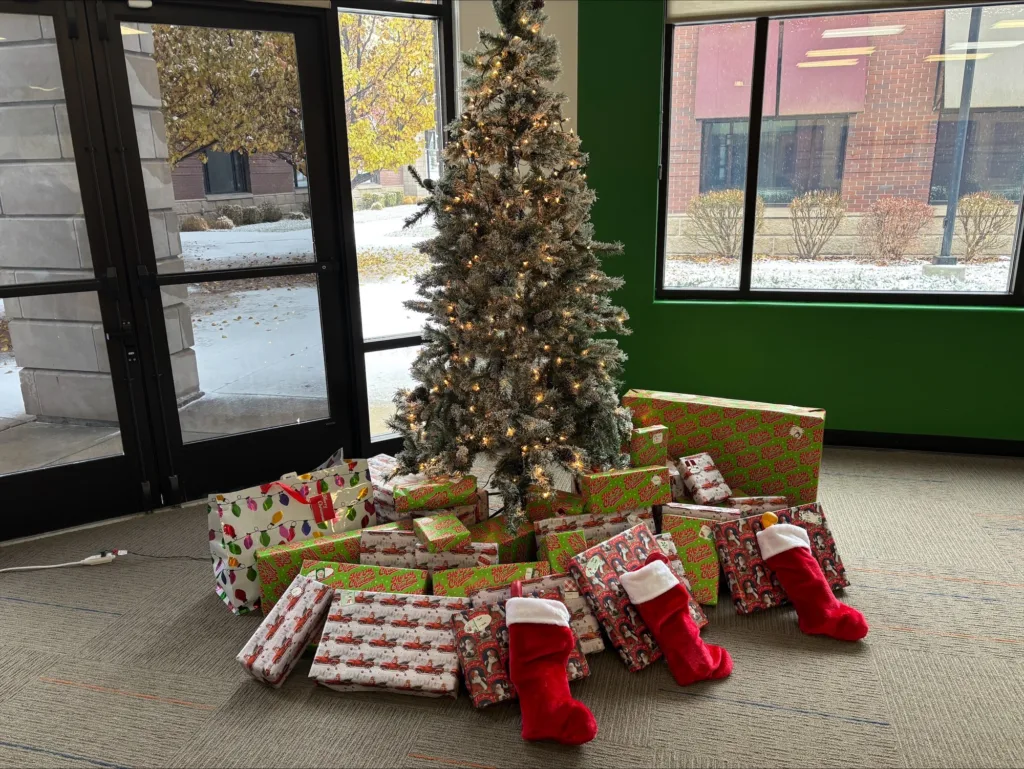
(670, 512)
(581, 618)
(752, 583)
(278, 565)
(357, 576)
(481, 637)
(597, 571)
(648, 446)
(618, 490)
(391, 642)
(440, 532)
(702, 480)
(675, 481)
(390, 544)
(420, 493)
(466, 555)
(512, 548)
(465, 582)
(539, 507)
(277, 644)
(755, 505)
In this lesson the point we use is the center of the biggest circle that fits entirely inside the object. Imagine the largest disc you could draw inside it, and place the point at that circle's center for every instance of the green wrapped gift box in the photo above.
(465, 582)
(629, 489)
(355, 576)
(647, 446)
(278, 565)
(694, 539)
(421, 493)
(540, 507)
(440, 532)
(561, 546)
(512, 548)
(765, 448)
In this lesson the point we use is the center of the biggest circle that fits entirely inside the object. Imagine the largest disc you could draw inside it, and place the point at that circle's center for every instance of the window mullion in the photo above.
(753, 151)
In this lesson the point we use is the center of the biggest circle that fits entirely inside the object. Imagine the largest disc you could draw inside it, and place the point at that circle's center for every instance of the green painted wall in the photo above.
(927, 370)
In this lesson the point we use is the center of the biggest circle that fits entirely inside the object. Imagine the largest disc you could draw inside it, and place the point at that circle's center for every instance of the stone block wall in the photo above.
(59, 341)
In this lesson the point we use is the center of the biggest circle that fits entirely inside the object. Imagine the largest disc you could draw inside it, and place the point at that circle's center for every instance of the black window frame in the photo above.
(443, 13)
(983, 113)
(240, 177)
(744, 292)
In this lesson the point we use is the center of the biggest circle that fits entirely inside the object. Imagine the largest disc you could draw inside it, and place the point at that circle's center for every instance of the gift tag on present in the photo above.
(322, 507)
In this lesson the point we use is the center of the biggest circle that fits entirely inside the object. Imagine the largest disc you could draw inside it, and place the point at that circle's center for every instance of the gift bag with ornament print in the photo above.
(272, 514)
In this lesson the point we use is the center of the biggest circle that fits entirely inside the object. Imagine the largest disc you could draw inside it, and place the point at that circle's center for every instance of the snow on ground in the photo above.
(839, 275)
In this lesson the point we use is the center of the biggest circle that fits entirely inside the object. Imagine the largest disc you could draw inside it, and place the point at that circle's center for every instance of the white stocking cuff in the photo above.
(536, 611)
(648, 582)
(781, 537)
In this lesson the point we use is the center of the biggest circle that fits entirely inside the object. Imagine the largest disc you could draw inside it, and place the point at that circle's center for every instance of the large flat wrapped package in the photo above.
(390, 642)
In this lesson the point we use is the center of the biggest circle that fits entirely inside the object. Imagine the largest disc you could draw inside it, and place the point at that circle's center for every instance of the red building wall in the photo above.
(891, 138)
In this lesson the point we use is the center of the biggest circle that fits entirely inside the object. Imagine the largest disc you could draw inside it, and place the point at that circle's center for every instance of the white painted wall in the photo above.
(473, 15)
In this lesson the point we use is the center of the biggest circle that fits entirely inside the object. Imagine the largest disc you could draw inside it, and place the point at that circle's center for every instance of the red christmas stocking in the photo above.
(540, 640)
(787, 551)
(664, 605)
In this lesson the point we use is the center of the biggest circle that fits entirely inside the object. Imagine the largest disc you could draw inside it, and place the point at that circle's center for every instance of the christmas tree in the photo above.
(511, 364)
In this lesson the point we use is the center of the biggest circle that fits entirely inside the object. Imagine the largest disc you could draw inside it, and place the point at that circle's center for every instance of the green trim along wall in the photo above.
(891, 369)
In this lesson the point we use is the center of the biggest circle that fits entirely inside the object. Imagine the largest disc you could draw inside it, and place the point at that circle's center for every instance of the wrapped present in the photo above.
(581, 618)
(420, 493)
(391, 642)
(647, 446)
(752, 583)
(755, 505)
(512, 548)
(466, 555)
(763, 448)
(360, 576)
(694, 540)
(481, 637)
(277, 644)
(278, 565)
(465, 582)
(539, 507)
(629, 489)
(702, 480)
(440, 532)
(268, 515)
(597, 571)
(595, 526)
(389, 544)
(669, 513)
(563, 545)
(675, 482)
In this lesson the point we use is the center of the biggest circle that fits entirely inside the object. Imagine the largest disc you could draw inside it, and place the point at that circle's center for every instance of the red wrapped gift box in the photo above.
(753, 585)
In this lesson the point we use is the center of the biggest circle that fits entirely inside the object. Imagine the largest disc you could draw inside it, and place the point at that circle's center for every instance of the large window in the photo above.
(856, 157)
(225, 172)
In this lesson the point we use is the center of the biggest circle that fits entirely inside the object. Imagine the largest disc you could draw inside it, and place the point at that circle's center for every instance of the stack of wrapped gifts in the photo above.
(400, 582)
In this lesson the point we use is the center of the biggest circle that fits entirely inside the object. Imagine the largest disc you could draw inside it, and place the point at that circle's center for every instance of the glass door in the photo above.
(229, 193)
(74, 431)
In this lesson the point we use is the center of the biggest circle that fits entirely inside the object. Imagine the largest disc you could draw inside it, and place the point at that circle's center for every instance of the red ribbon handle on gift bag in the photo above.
(320, 504)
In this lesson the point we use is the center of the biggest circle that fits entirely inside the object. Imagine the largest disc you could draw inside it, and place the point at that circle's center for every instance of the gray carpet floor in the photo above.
(132, 664)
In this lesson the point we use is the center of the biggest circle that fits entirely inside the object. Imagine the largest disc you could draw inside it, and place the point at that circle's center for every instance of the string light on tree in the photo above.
(513, 253)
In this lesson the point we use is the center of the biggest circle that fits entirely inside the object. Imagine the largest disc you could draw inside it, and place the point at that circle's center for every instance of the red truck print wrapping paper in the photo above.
(390, 544)
(481, 637)
(752, 584)
(763, 448)
(702, 480)
(746, 506)
(389, 642)
(277, 644)
(465, 556)
(597, 573)
(617, 490)
(581, 618)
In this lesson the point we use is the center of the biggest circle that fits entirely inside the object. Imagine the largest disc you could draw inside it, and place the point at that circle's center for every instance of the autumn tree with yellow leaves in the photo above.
(238, 90)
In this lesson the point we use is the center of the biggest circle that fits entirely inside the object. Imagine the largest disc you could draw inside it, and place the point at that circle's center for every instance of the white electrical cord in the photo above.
(93, 560)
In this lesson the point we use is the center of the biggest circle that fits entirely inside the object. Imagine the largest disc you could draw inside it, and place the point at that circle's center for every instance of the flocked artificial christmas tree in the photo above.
(512, 365)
